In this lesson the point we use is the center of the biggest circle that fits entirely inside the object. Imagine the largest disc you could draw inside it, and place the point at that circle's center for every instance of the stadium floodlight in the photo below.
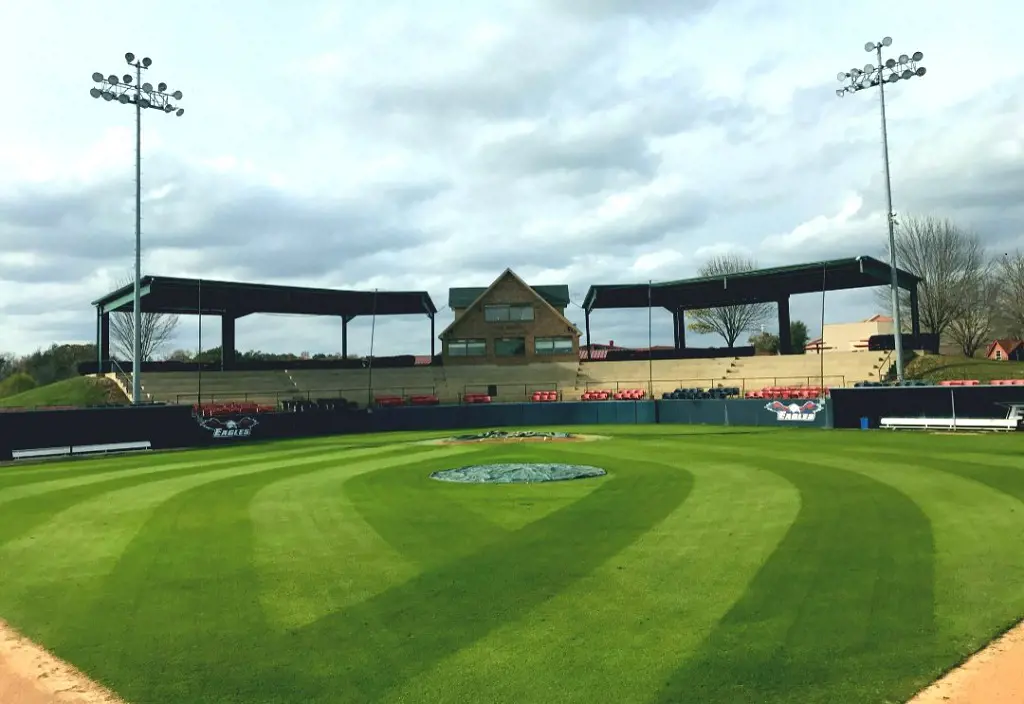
(886, 71)
(130, 90)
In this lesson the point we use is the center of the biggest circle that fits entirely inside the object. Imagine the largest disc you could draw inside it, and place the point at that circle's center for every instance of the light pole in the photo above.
(130, 90)
(889, 71)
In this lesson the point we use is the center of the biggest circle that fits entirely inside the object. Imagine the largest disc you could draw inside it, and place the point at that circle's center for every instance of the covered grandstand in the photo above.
(774, 285)
(490, 378)
(231, 300)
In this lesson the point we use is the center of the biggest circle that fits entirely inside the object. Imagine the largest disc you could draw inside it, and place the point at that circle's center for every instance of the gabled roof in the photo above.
(508, 273)
(1008, 345)
(557, 295)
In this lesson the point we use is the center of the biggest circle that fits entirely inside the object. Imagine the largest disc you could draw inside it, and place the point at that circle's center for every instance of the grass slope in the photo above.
(709, 566)
(945, 367)
(79, 391)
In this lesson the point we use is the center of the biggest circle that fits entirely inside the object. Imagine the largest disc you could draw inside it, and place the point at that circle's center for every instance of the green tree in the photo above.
(798, 336)
(765, 342)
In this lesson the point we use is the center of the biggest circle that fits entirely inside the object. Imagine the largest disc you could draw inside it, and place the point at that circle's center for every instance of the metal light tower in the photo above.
(129, 90)
(889, 71)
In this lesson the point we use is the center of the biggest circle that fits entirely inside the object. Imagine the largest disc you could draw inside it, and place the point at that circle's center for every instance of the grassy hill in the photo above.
(79, 391)
(942, 367)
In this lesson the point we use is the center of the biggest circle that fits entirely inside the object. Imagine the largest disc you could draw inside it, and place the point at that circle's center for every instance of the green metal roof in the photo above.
(166, 294)
(557, 295)
(760, 285)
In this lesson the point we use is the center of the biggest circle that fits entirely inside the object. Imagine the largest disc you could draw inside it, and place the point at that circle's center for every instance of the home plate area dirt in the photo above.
(30, 675)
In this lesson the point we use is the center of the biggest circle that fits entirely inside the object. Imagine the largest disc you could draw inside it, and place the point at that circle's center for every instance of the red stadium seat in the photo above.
(387, 401)
(424, 400)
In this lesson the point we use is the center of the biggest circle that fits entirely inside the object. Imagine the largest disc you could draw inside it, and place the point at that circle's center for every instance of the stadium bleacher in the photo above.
(768, 377)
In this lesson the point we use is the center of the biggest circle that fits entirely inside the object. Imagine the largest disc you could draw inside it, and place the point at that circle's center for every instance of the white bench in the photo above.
(998, 424)
(42, 452)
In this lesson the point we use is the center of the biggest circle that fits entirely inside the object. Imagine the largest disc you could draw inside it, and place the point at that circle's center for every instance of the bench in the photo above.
(1003, 424)
(42, 452)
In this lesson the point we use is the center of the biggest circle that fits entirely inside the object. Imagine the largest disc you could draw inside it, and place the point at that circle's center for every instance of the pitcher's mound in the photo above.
(517, 473)
(503, 436)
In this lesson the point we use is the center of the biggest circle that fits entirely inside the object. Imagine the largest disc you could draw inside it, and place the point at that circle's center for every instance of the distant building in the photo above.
(850, 337)
(1005, 351)
(509, 322)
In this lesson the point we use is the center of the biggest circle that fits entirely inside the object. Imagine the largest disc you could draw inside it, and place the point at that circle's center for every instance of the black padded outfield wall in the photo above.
(166, 427)
(875, 403)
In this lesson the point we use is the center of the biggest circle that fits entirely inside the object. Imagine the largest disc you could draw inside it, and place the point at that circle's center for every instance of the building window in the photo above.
(508, 313)
(467, 348)
(999, 353)
(552, 345)
(510, 347)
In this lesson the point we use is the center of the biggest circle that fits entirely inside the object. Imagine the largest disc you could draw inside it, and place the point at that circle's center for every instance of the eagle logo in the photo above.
(229, 428)
(805, 411)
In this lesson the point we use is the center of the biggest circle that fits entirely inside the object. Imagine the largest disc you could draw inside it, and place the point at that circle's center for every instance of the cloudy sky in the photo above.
(413, 145)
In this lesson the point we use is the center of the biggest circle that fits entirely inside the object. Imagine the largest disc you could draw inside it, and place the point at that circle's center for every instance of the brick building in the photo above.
(509, 322)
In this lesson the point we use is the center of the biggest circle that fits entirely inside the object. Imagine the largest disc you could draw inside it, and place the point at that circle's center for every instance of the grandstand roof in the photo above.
(762, 285)
(556, 295)
(165, 294)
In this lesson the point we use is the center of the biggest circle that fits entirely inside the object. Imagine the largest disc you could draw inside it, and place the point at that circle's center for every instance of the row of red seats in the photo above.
(788, 392)
(208, 410)
(1008, 382)
(959, 382)
(621, 395)
(544, 396)
(975, 382)
(476, 398)
(417, 400)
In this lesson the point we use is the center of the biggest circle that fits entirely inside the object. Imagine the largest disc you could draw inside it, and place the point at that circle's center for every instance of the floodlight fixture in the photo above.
(887, 71)
(129, 90)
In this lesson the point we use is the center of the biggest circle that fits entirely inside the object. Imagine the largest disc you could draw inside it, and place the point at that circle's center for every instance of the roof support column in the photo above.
(433, 338)
(345, 320)
(102, 339)
(227, 341)
(679, 328)
(586, 323)
(785, 338)
(915, 313)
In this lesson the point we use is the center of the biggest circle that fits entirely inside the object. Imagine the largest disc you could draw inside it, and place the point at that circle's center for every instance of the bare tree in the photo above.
(946, 257)
(732, 321)
(157, 330)
(977, 313)
(1010, 275)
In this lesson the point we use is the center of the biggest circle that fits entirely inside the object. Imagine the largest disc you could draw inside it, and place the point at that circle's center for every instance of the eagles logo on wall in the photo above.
(228, 428)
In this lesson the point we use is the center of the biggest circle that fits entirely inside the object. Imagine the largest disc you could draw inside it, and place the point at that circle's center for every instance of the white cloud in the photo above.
(387, 146)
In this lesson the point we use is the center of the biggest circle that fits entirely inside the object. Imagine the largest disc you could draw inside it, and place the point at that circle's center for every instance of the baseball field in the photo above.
(708, 565)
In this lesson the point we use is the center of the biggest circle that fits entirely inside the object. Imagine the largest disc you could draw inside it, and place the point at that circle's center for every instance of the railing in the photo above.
(744, 384)
(123, 379)
(352, 394)
(512, 393)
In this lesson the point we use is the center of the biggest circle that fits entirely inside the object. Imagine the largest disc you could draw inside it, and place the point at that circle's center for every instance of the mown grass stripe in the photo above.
(142, 467)
(848, 592)
(200, 591)
(978, 591)
(612, 635)
(21, 516)
(377, 645)
(1004, 478)
(315, 552)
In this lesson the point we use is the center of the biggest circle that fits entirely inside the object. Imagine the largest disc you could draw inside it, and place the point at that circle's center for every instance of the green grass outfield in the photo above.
(709, 566)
